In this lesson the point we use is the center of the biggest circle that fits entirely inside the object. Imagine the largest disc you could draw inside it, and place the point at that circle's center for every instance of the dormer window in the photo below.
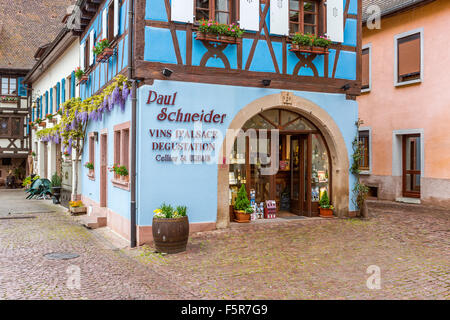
(303, 16)
(218, 10)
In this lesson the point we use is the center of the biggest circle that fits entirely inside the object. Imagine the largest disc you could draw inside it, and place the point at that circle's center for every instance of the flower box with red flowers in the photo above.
(81, 76)
(103, 50)
(210, 30)
(309, 43)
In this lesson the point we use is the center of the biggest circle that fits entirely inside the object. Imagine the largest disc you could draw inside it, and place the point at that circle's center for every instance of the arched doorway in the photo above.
(303, 124)
(280, 155)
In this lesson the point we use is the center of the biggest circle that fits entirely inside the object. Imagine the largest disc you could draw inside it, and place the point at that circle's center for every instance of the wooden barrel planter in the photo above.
(170, 235)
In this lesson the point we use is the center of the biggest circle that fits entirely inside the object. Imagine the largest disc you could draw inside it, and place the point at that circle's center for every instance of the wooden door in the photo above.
(300, 171)
(411, 165)
(103, 169)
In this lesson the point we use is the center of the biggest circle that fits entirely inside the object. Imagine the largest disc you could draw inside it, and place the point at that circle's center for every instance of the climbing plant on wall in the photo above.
(360, 190)
(76, 114)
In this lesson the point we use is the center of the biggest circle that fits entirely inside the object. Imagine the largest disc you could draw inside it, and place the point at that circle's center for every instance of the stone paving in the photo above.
(292, 259)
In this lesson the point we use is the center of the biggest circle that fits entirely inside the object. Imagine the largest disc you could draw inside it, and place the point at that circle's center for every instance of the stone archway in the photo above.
(314, 113)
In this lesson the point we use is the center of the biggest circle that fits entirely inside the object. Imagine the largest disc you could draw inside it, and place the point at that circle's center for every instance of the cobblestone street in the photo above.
(295, 259)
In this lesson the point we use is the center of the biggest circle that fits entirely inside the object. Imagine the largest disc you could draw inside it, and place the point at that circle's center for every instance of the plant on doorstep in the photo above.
(170, 229)
(77, 208)
(242, 207)
(103, 50)
(325, 208)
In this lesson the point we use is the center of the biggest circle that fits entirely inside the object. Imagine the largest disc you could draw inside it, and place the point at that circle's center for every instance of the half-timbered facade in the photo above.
(178, 134)
(24, 27)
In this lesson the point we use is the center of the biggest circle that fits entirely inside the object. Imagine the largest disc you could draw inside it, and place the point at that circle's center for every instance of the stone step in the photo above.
(94, 222)
(401, 206)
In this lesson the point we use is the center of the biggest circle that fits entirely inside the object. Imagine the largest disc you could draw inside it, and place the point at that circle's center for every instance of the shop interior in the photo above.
(281, 156)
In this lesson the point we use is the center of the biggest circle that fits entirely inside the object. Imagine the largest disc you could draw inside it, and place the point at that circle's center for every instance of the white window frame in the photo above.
(369, 129)
(368, 46)
(396, 38)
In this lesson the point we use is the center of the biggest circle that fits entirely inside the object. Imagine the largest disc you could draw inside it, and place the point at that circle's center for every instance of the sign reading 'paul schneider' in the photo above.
(186, 145)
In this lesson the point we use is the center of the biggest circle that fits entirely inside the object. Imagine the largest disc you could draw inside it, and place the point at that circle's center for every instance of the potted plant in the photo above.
(76, 208)
(56, 187)
(326, 210)
(80, 75)
(103, 50)
(120, 171)
(242, 208)
(211, 30)
(89, 165)
(170, 229)
(309, 43)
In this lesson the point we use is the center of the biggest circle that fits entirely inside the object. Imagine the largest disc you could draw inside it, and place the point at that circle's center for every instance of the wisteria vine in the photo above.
(76, 114)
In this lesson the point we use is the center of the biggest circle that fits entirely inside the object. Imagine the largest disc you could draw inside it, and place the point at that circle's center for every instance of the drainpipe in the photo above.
(133, 125)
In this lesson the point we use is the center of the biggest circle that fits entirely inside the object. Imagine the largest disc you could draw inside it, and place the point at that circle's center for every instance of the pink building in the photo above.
(405, 105)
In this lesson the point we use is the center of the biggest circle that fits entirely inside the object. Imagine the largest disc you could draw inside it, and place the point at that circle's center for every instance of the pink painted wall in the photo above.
(426, 105)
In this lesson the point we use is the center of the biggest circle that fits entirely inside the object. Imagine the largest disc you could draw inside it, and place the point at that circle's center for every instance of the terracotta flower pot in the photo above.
(170, 235)
(326, 213)
(241, 216)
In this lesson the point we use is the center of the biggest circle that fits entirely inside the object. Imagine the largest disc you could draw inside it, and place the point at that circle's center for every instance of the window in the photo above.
(364, 137)
(409, 55)
(218, 10)
(91, 173)
(303, 16)
(87, 53)
(11, 127)
(366, 69)
(8, 86)
(68, 89)
(6, 161)
(122, 152)
(111, 22)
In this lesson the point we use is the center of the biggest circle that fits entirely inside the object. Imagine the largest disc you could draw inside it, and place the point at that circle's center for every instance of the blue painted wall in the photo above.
(159, 48)
(104, 72)
(195, 185)
(118, 200)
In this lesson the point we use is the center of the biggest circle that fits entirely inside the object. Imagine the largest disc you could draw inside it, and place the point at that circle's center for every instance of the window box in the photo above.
(42, 124)
(217, 38)
(8, 99)
(105, 55)
(121, 183)
(308, 49)
(83, 79)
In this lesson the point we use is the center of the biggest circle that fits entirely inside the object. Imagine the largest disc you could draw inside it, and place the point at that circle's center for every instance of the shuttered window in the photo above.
(87, 47)
(218, 10)
(366, 69)
(8, 86)
(303, 16)
(110, 31)
(409, 58)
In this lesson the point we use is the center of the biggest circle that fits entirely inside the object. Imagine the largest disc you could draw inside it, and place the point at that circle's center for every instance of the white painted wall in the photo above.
(60, 69)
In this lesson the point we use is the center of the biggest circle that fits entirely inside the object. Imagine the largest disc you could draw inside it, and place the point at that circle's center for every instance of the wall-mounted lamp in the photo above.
(266, 82)
(167, 72)
(346, 87)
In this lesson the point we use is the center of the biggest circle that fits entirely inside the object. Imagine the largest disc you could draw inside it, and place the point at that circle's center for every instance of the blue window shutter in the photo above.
(32, 112)
(22, 91)
(63, 90)
(72, 79)
(50, 110)
(58, 96)
(46, 105)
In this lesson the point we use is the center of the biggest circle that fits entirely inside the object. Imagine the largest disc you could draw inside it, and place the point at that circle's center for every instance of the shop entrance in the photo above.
(282, 157)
